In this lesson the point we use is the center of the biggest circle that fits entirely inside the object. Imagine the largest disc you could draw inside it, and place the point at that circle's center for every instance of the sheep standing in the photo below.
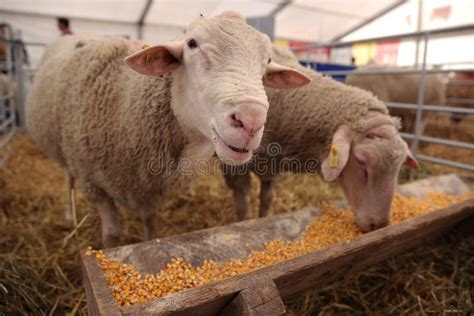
(402, 88)
(461, 87)
(131, 139)
(346, 129)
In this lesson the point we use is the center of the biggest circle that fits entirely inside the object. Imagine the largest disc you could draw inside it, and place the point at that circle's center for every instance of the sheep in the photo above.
(460, 87)
(344, 131)
(131, 132)
(402, 88)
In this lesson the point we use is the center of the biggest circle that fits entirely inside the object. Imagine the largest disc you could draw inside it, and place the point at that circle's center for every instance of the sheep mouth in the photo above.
(230, 152)
(238, 150)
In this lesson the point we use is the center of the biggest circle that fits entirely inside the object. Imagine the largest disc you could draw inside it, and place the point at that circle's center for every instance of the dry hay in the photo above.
(443, 126)
(39, 254)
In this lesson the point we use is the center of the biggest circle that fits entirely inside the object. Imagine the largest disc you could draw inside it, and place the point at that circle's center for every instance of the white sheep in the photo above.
(126, 136)
(402, 88)
(343, 132)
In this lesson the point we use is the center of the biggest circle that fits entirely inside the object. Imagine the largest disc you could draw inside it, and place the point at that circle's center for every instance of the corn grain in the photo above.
(335, 225)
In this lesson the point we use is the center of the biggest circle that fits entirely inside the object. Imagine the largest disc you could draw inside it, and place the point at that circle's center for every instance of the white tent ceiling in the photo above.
(299, 20)
(308, 20)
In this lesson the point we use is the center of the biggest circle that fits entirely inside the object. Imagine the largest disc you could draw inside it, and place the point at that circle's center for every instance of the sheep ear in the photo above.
(232, 15)
(157, 60)
(338, 155)
(282, 77)
(411, 162)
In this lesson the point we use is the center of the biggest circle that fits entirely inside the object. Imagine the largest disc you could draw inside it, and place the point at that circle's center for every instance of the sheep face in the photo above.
(220, 68)
(367, 169)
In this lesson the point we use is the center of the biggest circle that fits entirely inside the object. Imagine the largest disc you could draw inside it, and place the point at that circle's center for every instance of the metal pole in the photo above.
(308, 60)
(7, 126)
(20, 84)
(437, 32)
(419, 25)
(421, 97)
(141, 20)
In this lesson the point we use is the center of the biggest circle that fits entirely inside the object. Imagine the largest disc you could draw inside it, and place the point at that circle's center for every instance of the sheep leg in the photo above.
(148, 217)
(266, 195)
(109, 217)
(240, 185)
(70, 212)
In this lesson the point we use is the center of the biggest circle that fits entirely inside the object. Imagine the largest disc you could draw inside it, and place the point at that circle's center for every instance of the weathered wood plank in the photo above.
(237, 240)
(318, 268)
(447, 184)
(321, 267)
(260, 300)
(100, 300)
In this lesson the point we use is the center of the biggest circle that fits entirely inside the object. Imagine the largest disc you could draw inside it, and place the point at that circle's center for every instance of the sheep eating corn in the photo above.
(126, 136)
(343, 129)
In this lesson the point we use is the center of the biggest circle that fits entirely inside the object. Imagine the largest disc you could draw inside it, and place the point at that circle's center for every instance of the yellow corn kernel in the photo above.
(333, 226)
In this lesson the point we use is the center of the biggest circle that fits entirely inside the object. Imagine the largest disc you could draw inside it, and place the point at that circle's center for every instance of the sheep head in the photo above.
(367, 163)
(220, 67)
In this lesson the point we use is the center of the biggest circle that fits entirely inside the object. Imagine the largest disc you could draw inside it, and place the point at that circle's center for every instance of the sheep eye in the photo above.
(360, 162)
(192, 43)
(269, 60)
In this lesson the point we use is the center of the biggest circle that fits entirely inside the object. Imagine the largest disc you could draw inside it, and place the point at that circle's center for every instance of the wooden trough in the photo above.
(260, 292)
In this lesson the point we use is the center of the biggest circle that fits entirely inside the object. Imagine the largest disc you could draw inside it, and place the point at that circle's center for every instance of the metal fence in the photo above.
(12, 104)
(423, 70)
(12, 89)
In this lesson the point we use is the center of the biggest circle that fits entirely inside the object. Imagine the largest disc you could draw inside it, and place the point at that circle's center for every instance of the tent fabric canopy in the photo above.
(304, 20)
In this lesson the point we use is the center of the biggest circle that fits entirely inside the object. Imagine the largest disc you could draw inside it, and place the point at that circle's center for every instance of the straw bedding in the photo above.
(39, 251)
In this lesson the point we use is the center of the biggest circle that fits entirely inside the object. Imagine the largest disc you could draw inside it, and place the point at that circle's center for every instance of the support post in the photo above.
(261, 299)
(421, 98)
(141, 21)
(20, 84)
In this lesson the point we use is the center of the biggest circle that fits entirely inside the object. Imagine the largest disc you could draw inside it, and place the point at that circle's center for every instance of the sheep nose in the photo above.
(251, 119)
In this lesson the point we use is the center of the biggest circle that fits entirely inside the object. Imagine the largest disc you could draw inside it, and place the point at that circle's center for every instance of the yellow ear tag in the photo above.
(145, 46)
(333, 156)
(151, 58)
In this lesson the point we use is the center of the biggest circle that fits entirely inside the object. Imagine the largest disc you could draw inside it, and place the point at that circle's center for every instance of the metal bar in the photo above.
(433, 108)
(6, 97)
(16, 41)
(449, 163)
(457, 100)
(421, 97)
(5, 67)
(20, 88)
(460, 82)
(440, 141)
(280, 7)
(6, 139)
(10, 47)
(440, 31)
(309, 8)
(141, 20)
(368, 20)
(392, 71)
(5, 123)
(418, 29)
